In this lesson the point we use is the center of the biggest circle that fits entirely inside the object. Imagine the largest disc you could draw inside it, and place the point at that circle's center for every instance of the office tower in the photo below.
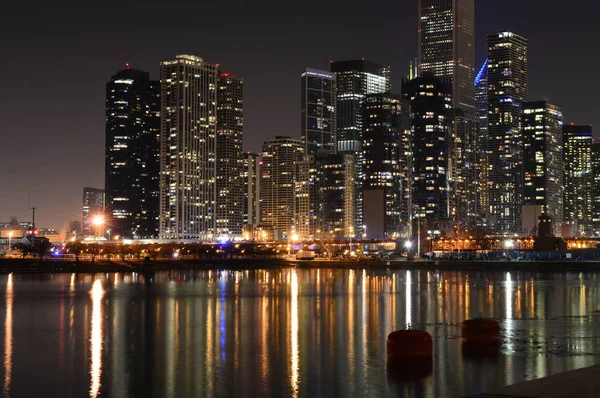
(356, 79)
(596, 188)
(132, 154)
(318, 111)
(230, 161)
(464, 181)
(482, 169)
(279, 157)
(447, 46)
(578, 179)
(431, 123)
(252, 199)
(386, 119)
(336, 184)
(542, 164)
(93, 205)
(507, 90)
(306, 200)
(188, 140)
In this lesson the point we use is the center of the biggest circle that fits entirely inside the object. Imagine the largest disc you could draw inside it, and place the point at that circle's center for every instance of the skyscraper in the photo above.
(252, 189)
(132, 154)
(318, 111)
(306, 197)
(355, 80)
(578, 179)
(507, 90)
(482, 168)
(230, 162)
(386, 120)
(336, 186)
(431, 121)
(93, 205)
(543, 160)
(596, 188)
(447, 46)
(188, 148)
(278, 182)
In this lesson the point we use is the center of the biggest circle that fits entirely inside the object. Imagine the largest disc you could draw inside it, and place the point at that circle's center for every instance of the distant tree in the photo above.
(25, 250)
(94, 249)
(75, 248)
(41, 247)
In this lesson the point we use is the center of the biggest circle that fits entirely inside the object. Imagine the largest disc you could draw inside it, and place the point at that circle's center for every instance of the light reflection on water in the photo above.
(286, 332)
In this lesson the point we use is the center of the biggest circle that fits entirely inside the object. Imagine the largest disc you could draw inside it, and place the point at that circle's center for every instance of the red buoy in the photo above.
(481, 331)
(409, 345)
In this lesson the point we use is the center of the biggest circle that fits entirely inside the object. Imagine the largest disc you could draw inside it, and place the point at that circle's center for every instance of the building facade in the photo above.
(252, 198)
(336, 185)
(318, 120)
(355, 80)
(447, 46)
(596, 188)
(279, 158)
(507, 90)
(543, 160)
(431, 124)
(188, 142)
(482, 168)
(132, 154)
(578, 180)
(93, 205)
(386, 121)
(229, 155)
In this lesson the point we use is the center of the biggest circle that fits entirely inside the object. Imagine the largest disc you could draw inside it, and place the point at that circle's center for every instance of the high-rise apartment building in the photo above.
(386, 121)
(336, 185)
(252, 188)
(355, 80)
(229, 155)
(507, 90)
(578, 179)
(188, 189)
(318, 111)
(279, 158)
(447, 46)
(543, 160)
(132, 154)
(431, 123)
(482, 168)
(306, 199)
(93, 205)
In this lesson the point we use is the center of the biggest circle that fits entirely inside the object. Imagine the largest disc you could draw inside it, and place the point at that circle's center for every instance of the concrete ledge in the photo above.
(580, 383)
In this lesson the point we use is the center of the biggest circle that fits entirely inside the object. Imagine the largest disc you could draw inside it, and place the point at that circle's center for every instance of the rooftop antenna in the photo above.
(33, 218)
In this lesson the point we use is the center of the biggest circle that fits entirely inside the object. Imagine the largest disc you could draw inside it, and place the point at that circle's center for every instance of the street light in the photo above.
(408, 245)
(108, 232)
(98, 221)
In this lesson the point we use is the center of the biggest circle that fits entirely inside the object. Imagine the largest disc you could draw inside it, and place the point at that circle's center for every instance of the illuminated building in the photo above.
(482, 169)
(188, 148)
(543, 160)
(306, 197)
(279, 157)
(132, 154)
(230, 162)
(578, 179)
(596, 188)
(93, 204)
(355, 80)
(386, 121)
(336, 185)
(447, 47)
(318, 111)
(507, 90)
(252, 188)
(431, 122)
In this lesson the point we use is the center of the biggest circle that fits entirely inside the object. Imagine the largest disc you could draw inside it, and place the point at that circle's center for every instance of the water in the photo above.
(298, 333)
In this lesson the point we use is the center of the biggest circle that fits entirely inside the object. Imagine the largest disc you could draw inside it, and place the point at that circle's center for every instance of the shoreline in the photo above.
(34, 266)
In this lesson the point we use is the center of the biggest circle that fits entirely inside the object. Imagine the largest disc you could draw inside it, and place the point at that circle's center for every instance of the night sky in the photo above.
(58, 56)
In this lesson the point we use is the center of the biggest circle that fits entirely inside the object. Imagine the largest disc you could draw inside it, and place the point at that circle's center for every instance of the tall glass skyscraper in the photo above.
(447, 46)
(543, 160)
(355, 80)
(482, 168)
(507, 90)
(132, 154)
(318, 111)
(230, 161)
(578, 179)
(188, 141)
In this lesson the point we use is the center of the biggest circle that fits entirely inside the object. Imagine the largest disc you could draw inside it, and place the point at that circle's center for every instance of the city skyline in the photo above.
(65, 153)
